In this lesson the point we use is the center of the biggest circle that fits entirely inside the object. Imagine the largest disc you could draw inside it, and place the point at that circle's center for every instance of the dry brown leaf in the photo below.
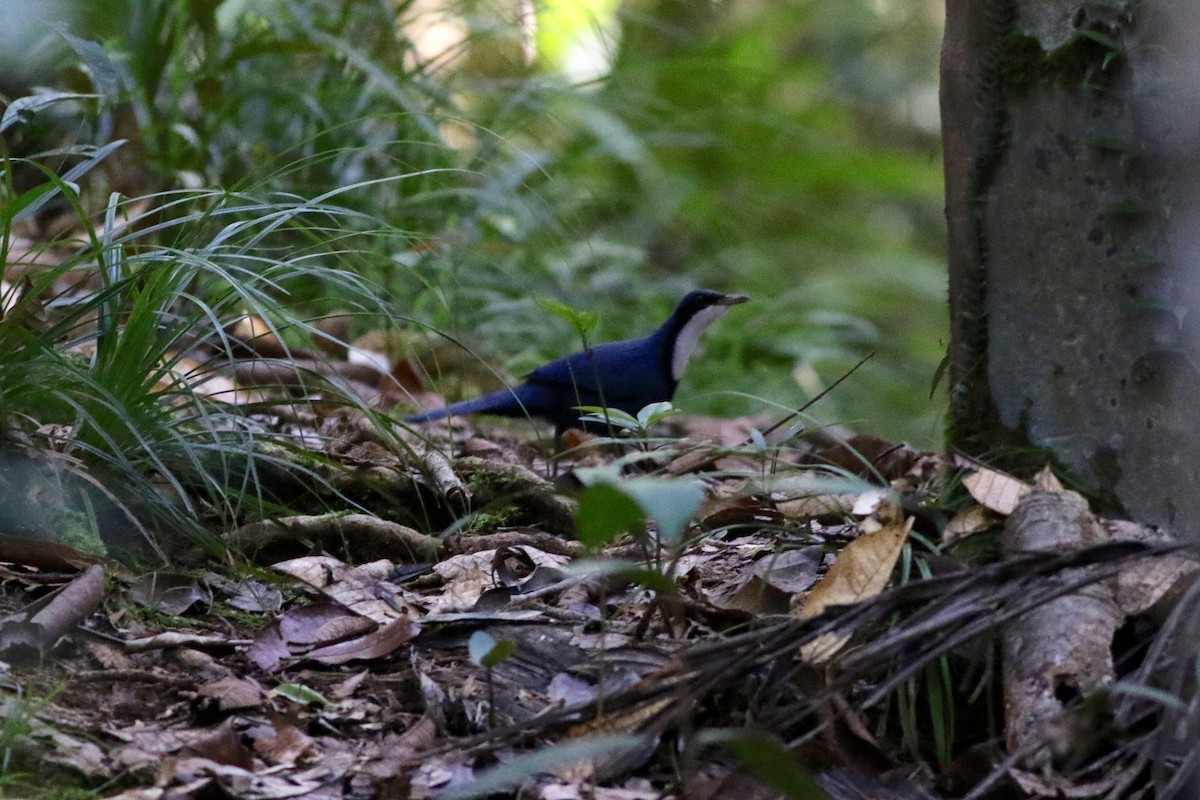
(754, 596)
(171, 593)
(1047, 481)
(996, 490)
(965, 523)
(44, 555)
(279, 742)
(376, 644)
(232, 694)
(363, 589)
(467, 576)
(1142, 584)
(862, 570)
(346, 689)
(320, 624)
(268, 650)
(792, 570)
(740, 511)
(75, 754)
(801, 509)
(31, 633)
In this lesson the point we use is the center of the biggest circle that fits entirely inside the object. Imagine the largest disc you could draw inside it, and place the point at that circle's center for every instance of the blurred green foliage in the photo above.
(610, 156)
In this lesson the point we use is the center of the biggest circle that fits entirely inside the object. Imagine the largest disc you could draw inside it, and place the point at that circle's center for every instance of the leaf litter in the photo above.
(794, 590)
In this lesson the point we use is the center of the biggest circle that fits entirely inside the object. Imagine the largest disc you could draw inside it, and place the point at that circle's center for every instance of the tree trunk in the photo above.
(1071, 160)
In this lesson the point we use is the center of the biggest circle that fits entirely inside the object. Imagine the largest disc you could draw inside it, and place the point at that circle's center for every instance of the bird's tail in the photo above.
(505, 402)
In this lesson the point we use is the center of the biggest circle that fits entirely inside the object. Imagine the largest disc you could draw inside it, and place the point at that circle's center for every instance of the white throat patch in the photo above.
(689, 337)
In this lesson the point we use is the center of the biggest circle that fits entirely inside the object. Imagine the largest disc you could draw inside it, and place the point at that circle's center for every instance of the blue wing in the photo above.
(626, 375)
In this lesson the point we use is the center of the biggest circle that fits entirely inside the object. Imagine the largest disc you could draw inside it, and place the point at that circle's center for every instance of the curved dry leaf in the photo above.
(801, 509)
(468, 575)
(321, 624)
(996, 490)
(868, 502)
(377, 644)
(364, 589)
(862, 570)
(30, 633)
(1143, 583)
(1047, 481)
(965, 523)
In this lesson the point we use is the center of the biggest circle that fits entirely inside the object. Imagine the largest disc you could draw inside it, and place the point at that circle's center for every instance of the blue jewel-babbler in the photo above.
(627, 375)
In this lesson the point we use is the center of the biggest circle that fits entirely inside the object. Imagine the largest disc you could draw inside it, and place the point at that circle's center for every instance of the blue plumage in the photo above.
(627, 375)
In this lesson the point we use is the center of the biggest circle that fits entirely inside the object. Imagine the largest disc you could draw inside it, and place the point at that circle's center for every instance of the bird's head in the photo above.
(697, 310)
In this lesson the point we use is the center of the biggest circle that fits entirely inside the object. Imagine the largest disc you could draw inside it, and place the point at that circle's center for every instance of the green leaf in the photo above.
(584, 322)
(605, 513)
(608, 416)
(938, 374)
(654, 413)
(646, 577)
(23, 108)
(484, 651)
(769, 762)
(106, 77)
(301, 694)
(24, 199)
(1096, 36)
(670, 503)
(68, 179)
(506, 776)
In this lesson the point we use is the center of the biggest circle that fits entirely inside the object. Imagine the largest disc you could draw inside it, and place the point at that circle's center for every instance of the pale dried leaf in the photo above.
(792, 570)
(233, 694)
(467, 576)
(268, 650)
(321, 623)
(346, 689)
(862, 570)
(867, 502)
(965, 523)
(364, 589)
(996, 490)
(827, 505)
(376, 644)
(1047, 481)
(1144, 582)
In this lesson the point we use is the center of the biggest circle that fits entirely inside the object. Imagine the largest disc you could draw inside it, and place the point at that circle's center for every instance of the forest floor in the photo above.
(702, 614)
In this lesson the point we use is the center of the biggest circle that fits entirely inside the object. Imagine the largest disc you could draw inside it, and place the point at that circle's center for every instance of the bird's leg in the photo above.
(556, 450)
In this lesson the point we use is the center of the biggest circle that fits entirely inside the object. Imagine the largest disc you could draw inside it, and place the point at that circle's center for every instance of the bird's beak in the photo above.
(733, 299)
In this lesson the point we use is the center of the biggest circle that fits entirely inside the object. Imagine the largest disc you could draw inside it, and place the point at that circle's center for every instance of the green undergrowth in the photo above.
(440, 194)
(810, 180)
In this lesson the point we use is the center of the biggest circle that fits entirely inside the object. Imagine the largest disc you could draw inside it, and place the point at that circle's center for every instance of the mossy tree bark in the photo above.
(1072, 161)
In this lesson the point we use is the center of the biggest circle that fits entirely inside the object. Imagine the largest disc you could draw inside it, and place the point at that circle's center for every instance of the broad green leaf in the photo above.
(487, 652)
(605, 513)
(769, 762)
(301, 694)
(654, 413)
(608, 416)
(584, 322)
(670, 503)
(506, 776)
